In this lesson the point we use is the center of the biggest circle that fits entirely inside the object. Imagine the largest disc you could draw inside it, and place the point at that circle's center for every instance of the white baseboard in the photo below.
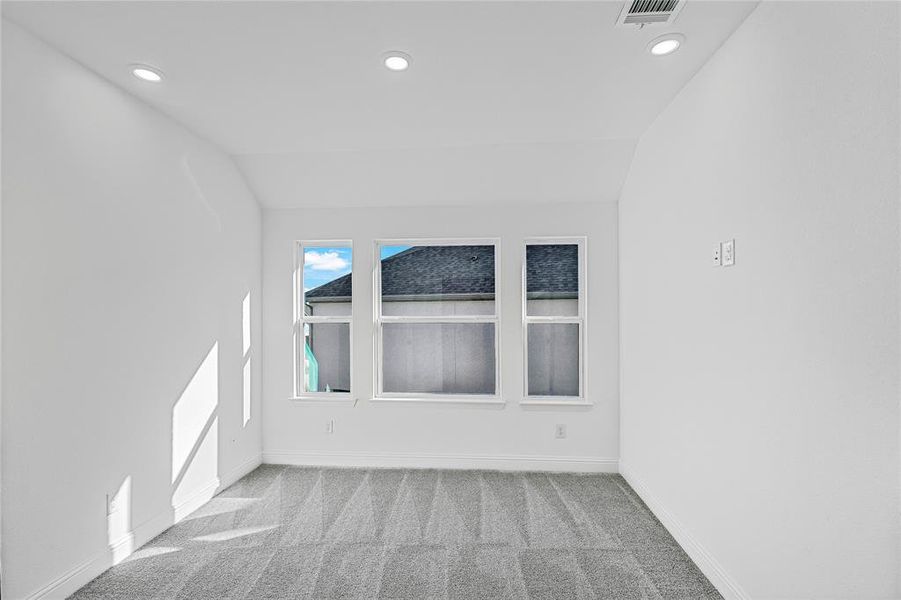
(377, 460)
(68, 583)
(709, 566)
(240, 471)
(205, 493)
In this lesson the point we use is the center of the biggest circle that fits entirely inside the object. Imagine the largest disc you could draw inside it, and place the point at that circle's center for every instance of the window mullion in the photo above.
(437, 320)
(327, 319)
(577, 320)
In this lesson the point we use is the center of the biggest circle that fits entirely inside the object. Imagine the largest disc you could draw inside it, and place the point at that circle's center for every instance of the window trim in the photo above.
(581, 319)
(379, 320)
(300, 320)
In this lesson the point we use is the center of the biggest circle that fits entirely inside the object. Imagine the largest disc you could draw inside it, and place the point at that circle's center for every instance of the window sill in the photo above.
(340, 400)
(578, 402)
(438, 400)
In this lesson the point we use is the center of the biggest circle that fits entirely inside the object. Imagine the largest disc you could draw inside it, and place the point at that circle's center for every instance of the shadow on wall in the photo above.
(194, 473)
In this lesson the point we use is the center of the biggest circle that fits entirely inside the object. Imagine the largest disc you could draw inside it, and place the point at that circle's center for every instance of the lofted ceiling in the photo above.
(296, 91)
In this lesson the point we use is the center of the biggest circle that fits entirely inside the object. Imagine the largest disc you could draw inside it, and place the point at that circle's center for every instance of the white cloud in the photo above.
(324, 261)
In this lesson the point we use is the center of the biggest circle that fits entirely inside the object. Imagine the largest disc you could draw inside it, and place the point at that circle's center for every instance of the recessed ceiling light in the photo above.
(146, 73)
(666, 44)
(397, 61)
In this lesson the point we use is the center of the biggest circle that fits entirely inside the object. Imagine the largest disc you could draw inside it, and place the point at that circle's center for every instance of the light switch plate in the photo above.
(729, 253)
(717, 255)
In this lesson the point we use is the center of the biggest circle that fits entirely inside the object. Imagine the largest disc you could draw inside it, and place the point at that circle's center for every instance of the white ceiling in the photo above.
(272, 82)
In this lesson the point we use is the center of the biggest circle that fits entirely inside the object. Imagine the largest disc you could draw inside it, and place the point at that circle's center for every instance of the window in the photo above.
(322, 319)
(437, 320)
(554, 319)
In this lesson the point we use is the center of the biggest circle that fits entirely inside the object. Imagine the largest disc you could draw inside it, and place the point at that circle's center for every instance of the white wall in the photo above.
(761, 401)
(558, 172)
(129, 247)
(372, 433)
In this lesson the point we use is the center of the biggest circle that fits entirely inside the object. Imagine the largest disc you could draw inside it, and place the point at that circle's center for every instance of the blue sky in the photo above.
(322, 264)
(392, 250)
(326, 263)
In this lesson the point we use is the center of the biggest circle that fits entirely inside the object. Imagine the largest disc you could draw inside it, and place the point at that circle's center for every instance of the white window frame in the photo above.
(300, 320)
(580, 319)
(380, 320)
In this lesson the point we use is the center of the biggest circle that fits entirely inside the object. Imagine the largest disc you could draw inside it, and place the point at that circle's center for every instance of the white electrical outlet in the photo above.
(560, 431)
(330, 426)
(729, 253)
(717, 256)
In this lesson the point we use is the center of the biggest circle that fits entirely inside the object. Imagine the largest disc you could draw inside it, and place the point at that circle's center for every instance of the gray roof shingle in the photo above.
(552, 270)
(464, 271)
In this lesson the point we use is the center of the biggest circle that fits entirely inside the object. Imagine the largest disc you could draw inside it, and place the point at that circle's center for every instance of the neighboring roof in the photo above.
(439, 271)
(462, 272)
(552, 270)
(333, 290)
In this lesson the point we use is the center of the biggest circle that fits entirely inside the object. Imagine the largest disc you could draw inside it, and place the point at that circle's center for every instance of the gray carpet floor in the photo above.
(289, 532)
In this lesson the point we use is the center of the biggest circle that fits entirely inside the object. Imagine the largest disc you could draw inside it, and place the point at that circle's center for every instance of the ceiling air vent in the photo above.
(649, 12)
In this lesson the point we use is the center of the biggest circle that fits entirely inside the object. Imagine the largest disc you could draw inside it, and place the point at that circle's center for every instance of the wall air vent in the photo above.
(649, 12)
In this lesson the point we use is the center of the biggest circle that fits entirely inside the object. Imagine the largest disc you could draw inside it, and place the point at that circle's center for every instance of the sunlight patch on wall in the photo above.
(245, 322)
(245, 333)
(118, 522)
(195, 431)
(194, 409)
